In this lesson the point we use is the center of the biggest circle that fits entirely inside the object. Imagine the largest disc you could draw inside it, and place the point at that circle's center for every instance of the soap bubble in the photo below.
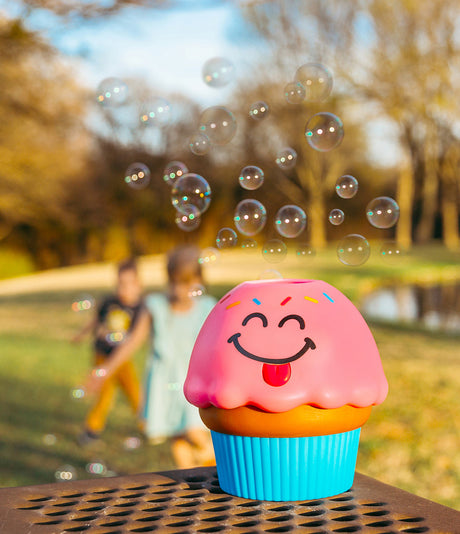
(324, 131)
(353, 250)
(270, 274)
(155, 112)
(226, 238)
(259, 110)
(251, 177)
(218, 124)
(65, 473)
(188, 218)
(137, 176)
(197, 290)
(274, 251)
(96, 468)
(317, 81)
(346, 186)
(390, 250)
(304, 251)
(382, 212)
(250, 217)
(174, 170)
(113, 338)
(249, 244)
(294, 92)
(131, 443)
(112, 92)
(199, 144)
(218, 72)
(78, 393)
(286, 158)
(290, 221)
(191, 189)
(49, 440)
(208, 256)
(83, 303)
(336, 217)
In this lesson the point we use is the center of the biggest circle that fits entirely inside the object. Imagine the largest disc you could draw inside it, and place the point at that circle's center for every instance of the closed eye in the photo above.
(261, 316)
(295, 318)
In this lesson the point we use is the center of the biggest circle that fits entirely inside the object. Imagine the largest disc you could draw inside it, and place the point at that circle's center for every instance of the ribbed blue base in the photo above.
(286, 469)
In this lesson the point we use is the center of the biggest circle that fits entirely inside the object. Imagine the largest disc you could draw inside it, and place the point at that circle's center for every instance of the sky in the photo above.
(167, 48)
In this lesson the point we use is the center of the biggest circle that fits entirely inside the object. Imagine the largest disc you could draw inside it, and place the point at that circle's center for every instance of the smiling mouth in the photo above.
(309, 344)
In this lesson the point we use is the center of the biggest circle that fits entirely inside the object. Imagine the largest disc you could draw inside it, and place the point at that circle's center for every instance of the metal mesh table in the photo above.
(192, 501)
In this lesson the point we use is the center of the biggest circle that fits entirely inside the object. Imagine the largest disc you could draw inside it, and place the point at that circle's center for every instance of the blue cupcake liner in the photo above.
(286, 469)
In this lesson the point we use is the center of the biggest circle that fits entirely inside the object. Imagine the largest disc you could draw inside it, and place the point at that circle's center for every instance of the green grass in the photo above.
(411, 440)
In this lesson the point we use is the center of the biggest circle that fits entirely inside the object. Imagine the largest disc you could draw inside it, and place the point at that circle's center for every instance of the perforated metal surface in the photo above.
(192, 501)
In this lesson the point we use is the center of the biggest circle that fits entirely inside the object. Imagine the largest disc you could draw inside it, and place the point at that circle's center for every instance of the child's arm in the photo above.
(122, 353)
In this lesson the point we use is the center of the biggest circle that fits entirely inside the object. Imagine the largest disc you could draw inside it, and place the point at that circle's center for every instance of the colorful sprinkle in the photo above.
(285, 301)
(257, 301)
(328, 297)
(225, 298)
(311, 300)
(233, 304)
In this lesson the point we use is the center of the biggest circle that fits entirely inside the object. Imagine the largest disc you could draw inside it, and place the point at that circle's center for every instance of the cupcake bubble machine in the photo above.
(285, 373)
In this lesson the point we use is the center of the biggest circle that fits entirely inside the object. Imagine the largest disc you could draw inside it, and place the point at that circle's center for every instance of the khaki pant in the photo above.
(127, 379)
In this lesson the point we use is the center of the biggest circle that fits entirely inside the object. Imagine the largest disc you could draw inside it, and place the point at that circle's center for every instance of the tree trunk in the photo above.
(450, 200)
(425, 228)
(404, 198)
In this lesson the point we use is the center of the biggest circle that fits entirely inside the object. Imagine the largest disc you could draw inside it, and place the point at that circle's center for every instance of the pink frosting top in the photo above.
(278, 344)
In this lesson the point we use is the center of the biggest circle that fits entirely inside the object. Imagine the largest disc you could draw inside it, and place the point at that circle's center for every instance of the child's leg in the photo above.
(193, 449)
(129, 383)
(97, 416)
(183, 453)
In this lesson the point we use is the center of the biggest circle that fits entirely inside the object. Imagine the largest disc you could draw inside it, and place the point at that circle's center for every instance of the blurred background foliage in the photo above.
(62, 159)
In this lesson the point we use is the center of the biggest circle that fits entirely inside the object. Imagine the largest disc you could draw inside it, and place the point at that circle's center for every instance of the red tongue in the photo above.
(276, 375)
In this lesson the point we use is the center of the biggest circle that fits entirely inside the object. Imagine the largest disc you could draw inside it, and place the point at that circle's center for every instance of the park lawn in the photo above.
(411, 441)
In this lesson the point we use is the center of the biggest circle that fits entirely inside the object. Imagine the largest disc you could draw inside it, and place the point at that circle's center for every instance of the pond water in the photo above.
(436, 307)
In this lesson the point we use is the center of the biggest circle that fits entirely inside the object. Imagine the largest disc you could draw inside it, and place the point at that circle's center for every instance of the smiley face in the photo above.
(275, 371)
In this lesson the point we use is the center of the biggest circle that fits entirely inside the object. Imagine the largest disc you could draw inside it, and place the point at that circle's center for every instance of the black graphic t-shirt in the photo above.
(114, 322)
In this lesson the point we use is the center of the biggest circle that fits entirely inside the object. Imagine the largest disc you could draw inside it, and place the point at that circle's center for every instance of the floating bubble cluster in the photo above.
(304, 251)
(290, 221)
(199, 144)
(346, 186)
(336, 217)
(251, 177)
(382, 212)
(173, 171)
(208, 256)
(112, 92)
(65, 473)
(324, 131)
(197, 290)
(78, 393)
(49, 440)
(156, 112)
(226, 238)
(83, 303)
(131, 443)
(96, 468)
(191, 189)
(218, 124)
(188, 218)
(294, 93)
(270, 274)
(249, 244)
(274, 251)
(218, 72)
(259, 110)
(316, 80)
(250, 217)
(286, 158)
(390, 250)
(353, 250)
(137, 175)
